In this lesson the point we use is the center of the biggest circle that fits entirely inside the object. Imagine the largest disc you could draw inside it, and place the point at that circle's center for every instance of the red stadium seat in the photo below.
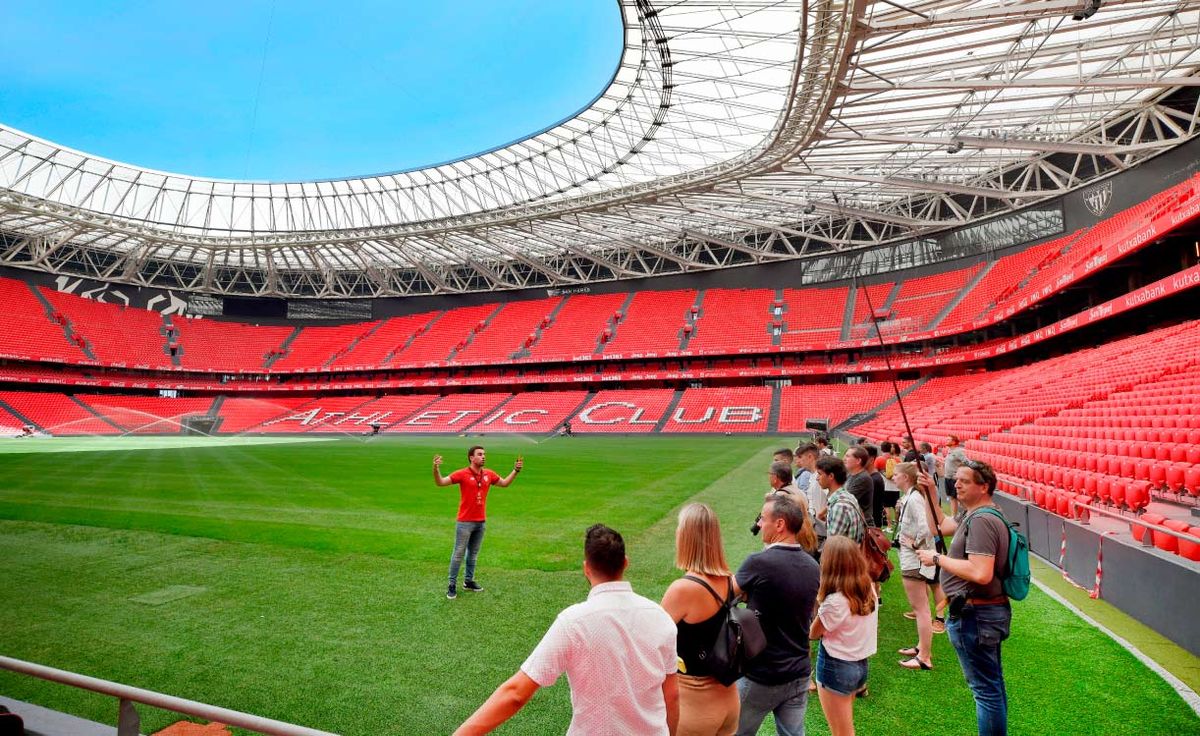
(1191, 480)
(1191, 550)
(1164, 541)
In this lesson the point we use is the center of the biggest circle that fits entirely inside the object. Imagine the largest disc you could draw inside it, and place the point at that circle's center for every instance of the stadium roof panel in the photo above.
(732, 132)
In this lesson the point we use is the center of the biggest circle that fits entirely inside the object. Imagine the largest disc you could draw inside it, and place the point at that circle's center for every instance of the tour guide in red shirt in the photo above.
(474, 482)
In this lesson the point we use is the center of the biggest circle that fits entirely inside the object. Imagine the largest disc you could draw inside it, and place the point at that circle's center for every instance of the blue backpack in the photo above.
(1016, 575)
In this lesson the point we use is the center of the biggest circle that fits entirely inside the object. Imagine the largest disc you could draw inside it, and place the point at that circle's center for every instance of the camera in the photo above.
(756, 527)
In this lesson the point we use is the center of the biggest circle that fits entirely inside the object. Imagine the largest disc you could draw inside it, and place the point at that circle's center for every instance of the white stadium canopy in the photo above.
(733, 132)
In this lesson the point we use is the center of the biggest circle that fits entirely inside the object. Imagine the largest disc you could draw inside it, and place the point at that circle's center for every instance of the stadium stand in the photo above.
(378, 346)
(31, 333)
(651, 325)
(146, 414)
(442, 336)
(239, 415)
(733, 321)
(226, 346)
(116, 335)
(576, 329)
(313, 347)
(453, 413)
(540, 412)
(505, 334)
(721, 410)
(58, 414)
(623, 410)
(812, 317)
(833, 402)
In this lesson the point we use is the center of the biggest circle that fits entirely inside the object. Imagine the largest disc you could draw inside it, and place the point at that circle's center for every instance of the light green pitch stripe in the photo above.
(109, 444)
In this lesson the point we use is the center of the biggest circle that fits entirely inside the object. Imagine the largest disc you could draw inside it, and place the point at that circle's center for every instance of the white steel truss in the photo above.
(734, 132)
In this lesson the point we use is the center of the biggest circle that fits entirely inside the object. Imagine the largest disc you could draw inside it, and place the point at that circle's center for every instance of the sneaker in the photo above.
(939, 626)
(451, 592)
(472, 585)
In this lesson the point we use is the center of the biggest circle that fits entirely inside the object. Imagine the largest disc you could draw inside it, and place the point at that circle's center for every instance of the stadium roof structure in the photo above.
(733, 132)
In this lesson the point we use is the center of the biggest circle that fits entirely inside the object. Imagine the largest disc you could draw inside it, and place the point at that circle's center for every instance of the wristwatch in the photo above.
(937, 560)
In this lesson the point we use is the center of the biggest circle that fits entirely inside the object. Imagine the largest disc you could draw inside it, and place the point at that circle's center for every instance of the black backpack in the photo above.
(11, 723)
(739, 638)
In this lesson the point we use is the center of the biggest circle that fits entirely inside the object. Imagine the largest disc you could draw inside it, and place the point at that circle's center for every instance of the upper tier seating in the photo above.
(836, 402)
(724, 410)
(507, 332)
(734, 321)
(576, 329)
(226, 346)
(146, 414)
(313, 347)
(442, 336)
(57, 414)
(813, 316)
(1006, 274)
(28, 332)
(652, 324)
(377, 347)
(623, 410)
(116, 335)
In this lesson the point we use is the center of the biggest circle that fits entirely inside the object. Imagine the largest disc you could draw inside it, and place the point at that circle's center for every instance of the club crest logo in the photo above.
(1097, 198)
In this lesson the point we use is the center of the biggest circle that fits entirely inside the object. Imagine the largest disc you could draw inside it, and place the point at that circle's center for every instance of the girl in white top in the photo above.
(847, 623)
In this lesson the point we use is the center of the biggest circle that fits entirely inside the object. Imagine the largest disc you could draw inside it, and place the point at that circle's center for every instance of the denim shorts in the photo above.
(838, 675)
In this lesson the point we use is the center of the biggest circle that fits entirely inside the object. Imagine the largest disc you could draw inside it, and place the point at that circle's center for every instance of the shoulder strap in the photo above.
(709, 588)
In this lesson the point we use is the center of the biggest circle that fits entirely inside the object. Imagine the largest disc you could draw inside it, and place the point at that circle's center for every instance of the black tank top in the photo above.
(692, 639)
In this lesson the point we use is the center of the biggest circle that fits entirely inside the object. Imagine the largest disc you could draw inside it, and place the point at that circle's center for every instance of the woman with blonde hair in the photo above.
(694, 602)
(847, 623)
(915, 535)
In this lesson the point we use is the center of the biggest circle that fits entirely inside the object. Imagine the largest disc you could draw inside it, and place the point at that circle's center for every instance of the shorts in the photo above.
(915, 574)
(948, 487)
(838, 675)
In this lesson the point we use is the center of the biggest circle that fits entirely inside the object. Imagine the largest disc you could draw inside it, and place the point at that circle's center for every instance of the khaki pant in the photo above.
(706, 707)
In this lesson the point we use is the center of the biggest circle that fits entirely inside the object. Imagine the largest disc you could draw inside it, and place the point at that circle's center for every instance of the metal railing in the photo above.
(129, 722)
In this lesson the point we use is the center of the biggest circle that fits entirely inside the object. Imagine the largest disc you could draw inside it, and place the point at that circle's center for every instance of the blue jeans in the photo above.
(787, 701)
(976, 635)
(468, 538)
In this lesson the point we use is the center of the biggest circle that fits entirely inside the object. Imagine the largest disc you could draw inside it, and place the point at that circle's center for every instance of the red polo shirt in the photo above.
(473, 490)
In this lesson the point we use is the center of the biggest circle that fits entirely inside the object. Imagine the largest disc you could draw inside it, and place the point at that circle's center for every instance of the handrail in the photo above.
(1075, 506)
(129, 722)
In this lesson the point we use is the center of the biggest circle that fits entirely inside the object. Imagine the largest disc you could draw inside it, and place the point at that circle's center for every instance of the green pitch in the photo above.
(305, 582)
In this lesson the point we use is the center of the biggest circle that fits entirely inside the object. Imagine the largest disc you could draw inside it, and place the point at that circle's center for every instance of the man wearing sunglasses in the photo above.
(980, 612)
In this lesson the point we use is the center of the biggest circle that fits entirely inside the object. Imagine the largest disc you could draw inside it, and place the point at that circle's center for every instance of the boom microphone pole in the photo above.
(939, 541)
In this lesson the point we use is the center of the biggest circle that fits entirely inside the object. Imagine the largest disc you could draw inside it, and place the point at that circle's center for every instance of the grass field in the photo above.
(305, 582)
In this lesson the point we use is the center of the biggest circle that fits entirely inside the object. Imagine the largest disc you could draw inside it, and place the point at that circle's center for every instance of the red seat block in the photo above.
(1191, 550)
(1164, 541)
(1139, 530)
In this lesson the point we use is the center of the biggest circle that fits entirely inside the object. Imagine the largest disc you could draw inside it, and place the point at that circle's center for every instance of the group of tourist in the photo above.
(640, 667)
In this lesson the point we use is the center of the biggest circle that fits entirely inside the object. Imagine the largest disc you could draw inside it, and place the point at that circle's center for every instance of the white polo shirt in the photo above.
(616, 649)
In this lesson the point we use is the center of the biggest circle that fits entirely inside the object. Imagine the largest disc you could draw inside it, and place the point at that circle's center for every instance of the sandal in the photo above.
(939, 625)
(910, 615)
(909, 651)
(913, 663)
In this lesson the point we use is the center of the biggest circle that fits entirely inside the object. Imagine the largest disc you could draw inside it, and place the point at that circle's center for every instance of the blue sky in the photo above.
(348, 88)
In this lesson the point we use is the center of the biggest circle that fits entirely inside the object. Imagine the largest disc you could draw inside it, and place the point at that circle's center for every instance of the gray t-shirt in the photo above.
(955, 457)
(988, 536)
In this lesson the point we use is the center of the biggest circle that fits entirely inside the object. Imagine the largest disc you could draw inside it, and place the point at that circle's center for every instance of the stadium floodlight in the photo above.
(1087, 11)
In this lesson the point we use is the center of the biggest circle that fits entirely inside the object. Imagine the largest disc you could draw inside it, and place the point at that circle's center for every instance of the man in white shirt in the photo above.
(616, 648)
(805, 479)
